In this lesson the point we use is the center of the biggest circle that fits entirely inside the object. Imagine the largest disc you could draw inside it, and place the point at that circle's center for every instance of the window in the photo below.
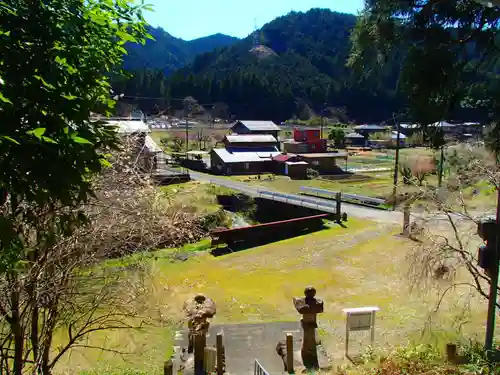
(315, 162)
(246, 166)
(313, 146)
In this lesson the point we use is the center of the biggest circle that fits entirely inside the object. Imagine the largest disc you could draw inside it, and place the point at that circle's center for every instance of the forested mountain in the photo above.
(167, 53)
(294, 65)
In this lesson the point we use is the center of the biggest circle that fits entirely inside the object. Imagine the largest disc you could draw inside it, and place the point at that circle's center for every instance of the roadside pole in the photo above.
(441, 167)
(396, 167)
(187, 138)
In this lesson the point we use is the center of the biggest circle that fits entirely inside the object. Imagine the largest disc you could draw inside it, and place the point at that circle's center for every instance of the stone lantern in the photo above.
(309, 306)
(198, 311)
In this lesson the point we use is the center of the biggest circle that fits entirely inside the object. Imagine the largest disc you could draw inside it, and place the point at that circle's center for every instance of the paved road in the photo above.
(350, 209)
(246, 342)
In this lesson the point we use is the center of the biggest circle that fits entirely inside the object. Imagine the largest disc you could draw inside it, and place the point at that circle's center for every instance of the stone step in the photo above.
(246, 342)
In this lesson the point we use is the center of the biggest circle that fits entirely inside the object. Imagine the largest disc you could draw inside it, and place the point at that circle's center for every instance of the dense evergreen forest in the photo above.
(294, 66)
(167, 53)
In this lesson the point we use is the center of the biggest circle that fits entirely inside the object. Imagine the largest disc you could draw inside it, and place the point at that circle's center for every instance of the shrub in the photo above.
(312, 173)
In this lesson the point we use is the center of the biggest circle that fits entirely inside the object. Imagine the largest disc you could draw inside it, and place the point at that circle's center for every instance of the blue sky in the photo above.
(190, 19)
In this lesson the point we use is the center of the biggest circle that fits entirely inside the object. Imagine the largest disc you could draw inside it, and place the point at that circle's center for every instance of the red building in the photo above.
(304, 141)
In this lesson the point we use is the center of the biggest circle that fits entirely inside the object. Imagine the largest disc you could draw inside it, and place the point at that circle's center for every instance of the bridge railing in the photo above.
(258, 369)
(329, 194)
(298, 200)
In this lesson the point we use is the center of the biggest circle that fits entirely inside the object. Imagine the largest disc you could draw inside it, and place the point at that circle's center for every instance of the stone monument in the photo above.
(309, 306)
(198, 310)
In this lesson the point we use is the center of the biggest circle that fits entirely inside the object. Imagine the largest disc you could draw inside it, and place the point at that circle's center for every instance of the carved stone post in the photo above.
(198, 310)
(309, 306)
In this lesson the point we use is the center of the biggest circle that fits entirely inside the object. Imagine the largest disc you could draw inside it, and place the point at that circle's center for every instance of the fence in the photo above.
(258, 369)
(353, 198)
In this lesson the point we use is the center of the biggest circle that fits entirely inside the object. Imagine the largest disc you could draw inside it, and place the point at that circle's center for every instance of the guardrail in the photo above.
(298, 200)
(355, 198)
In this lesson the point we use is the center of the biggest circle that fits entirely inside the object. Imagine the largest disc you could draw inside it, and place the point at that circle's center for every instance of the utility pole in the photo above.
(187, 138)
(187, 130)
(396, 165)
(322, 121)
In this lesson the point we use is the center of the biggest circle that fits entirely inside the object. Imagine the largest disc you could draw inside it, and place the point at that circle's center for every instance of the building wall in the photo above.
(249, 168)
(250, 145)
(306, 135)
(295, 148)
(356, 142)
(322, 165)
(305, 147)
(216, 163)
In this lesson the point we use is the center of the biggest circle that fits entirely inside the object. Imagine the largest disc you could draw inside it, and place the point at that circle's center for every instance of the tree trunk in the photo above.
(46, 365)
(16, 326)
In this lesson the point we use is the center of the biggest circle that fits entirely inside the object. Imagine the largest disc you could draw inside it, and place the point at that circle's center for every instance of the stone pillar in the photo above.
(198, 310)
(309, 306)
(406, 220)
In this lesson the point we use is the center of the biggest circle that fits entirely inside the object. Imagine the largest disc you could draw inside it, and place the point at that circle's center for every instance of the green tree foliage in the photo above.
(177, 144)
(55, 61)
(306, 73)
(53, 72)
(312, 174)
(448, 53)
(337, 136)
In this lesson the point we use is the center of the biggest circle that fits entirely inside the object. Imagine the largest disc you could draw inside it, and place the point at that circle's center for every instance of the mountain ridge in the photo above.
(168, 53)
(303, 71)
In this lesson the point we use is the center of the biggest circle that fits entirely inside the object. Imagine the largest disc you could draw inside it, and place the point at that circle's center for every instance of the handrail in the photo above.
(258, 369)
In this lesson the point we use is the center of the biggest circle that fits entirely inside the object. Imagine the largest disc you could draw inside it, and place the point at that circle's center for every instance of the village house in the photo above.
(290, 165)
(234, 162)
(146, 147)
(325, 162)
(305, 141)
(245, 154)
(256, 127)
(355, 140)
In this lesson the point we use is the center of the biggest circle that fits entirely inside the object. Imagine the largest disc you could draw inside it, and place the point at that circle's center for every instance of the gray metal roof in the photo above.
(354, 135)
(249, 138)
(130, 126)
(394, 135)
(319, 155)
(370, 127)
(259, 125)
(409, 126)
(244, 156)
(443, 124)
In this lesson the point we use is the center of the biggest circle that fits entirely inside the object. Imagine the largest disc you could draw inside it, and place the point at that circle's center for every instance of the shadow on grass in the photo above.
(250, 243)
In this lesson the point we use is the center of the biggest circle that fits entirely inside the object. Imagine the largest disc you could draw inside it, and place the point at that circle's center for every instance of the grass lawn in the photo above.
(364, 264)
